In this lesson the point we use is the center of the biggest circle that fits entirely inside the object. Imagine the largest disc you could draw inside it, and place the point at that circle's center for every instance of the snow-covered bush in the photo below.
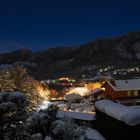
(12, 112)
(66, 130)
(40, 122)
(14, 97)
(48, 138)
(16, 123)
(36, 136)
(92, 134)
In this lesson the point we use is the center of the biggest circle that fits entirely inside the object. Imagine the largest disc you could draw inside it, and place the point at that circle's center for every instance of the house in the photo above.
(117, 89)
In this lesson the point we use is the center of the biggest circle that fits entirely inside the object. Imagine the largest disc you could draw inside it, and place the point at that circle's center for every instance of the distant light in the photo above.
(63, 78)
(83, 76)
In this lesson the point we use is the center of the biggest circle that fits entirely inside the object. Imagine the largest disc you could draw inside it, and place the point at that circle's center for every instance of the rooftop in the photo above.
(119, 85)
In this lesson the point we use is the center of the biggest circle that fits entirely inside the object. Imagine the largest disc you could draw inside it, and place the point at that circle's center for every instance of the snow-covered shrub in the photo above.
(92, 134)
(16, 123)
(48, 138)
(12, 112)
(66, 130)
(14, 97)
(40, 122)
(7, 107)
(36, 136)
(12, 101)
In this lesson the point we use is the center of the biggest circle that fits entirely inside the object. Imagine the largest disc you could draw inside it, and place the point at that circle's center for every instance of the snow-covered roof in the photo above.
(122, 85)
(75, 115)
(128, 114)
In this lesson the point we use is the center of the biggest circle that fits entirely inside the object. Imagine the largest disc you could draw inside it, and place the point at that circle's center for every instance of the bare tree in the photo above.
(6, 82)
(25, 84)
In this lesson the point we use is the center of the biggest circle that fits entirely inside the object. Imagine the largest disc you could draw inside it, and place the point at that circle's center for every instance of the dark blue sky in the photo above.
(39, 24)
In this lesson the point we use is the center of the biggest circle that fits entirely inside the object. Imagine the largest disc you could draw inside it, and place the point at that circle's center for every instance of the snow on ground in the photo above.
(82, 107)
(76, 115)
(93, 134)
(44, 104)
(63, 106)
(73, 97)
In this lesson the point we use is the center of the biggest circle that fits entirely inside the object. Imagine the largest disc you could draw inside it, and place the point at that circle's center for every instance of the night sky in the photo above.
(41, 24)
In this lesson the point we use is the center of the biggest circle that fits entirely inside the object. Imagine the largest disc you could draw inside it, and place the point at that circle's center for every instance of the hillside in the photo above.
(117, 52)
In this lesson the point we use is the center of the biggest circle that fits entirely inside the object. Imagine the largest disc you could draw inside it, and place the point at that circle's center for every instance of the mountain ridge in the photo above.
(70, 61)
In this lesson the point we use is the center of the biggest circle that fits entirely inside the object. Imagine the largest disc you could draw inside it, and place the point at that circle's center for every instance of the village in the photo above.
(100, 104)
(71, 90)
(86, 108)
(69, 70)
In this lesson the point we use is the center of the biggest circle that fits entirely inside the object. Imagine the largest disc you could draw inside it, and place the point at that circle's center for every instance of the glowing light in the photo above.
(45, 104)
(43, 92)
(83, 91)
(63, 78)
(78, 90)
(103, 88)
(92, 86)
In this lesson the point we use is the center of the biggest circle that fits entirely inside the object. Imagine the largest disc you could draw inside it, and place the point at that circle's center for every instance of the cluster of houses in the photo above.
(122, 91)
(114, 117)
(118, 116)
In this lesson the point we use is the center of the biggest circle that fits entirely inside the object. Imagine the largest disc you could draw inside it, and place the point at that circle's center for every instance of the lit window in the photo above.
(128, 93)
(135, 93)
